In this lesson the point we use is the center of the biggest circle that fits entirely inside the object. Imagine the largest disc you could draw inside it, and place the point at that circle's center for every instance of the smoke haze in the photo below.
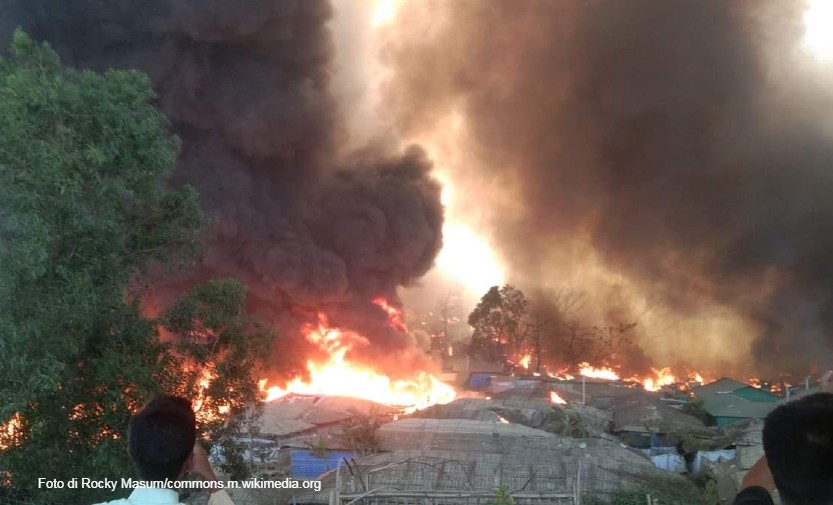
(671, 159)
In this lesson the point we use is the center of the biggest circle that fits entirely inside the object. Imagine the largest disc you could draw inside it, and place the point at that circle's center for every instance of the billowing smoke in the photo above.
(678, 152)
(247, 88)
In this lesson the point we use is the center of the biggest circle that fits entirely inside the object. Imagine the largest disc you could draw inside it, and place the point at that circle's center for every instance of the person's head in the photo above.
(798, 442)
(161, 438)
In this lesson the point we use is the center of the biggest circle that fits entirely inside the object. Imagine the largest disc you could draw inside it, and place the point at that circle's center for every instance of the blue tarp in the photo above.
(306, 465)
(480, 381)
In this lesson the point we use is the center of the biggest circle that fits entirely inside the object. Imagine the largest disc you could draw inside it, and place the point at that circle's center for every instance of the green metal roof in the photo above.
(731, 405)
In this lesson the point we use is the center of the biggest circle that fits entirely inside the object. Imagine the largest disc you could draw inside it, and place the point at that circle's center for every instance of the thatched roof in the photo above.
(642, 413)
(315, 410)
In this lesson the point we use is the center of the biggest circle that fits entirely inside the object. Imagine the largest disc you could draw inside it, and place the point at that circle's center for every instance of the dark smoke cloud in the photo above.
(247, 88)
(672, 138)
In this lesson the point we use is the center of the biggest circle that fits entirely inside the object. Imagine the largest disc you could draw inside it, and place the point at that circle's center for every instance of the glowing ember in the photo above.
(662, 377)
(556, 399)
(10, 432)
(339, 377)
(598, 373)
(524, 362)
(562, 375)
(206, 376)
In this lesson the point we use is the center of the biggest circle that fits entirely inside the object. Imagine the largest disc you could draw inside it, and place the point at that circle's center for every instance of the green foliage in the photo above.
(671, 490)
(218, 354)
(84, 209)
(361, 432)
(566, 422)
(502, 497)
(696, 408)
(639, 497)
(497, 323)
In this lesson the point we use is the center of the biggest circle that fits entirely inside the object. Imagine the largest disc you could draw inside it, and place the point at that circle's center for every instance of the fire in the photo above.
(204, 415)
(598, 373)
(698, 378)
(556, 399)
(817, 37)
(394, 315)
(562, 375)
(524, 362)
(662, 377)
(383, 13)
(337, 376)
(10, 432)
(206, 376)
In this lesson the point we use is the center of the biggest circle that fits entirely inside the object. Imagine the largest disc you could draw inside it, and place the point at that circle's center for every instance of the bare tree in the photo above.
(557, 334)
(547, 315)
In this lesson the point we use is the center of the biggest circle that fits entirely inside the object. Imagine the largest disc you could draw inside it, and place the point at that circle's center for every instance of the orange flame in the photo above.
(562, 375)
(205, 415)
(394, 315)
(598, 373)
(11, 431)
(556, 399)
(524, 362)
(337, 376)
(662, 377)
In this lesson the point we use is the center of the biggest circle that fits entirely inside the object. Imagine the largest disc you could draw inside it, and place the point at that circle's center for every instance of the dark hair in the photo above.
(798, 442)
(161, 437)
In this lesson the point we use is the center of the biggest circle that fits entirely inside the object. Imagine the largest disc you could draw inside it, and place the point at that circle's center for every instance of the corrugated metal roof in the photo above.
(730, 405)
(724, 385)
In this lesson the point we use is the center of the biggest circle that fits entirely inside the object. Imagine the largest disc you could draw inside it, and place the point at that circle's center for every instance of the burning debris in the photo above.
(556, 398)
(337, 376)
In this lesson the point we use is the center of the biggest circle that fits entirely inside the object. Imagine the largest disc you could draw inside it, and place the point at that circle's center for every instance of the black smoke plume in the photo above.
(246, 85)
(687, 145)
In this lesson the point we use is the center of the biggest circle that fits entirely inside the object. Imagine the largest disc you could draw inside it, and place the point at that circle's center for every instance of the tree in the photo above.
(497, 323)
(84, 208)
(548, 313)
(447, 325)
(217, 354)
(548, 327)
